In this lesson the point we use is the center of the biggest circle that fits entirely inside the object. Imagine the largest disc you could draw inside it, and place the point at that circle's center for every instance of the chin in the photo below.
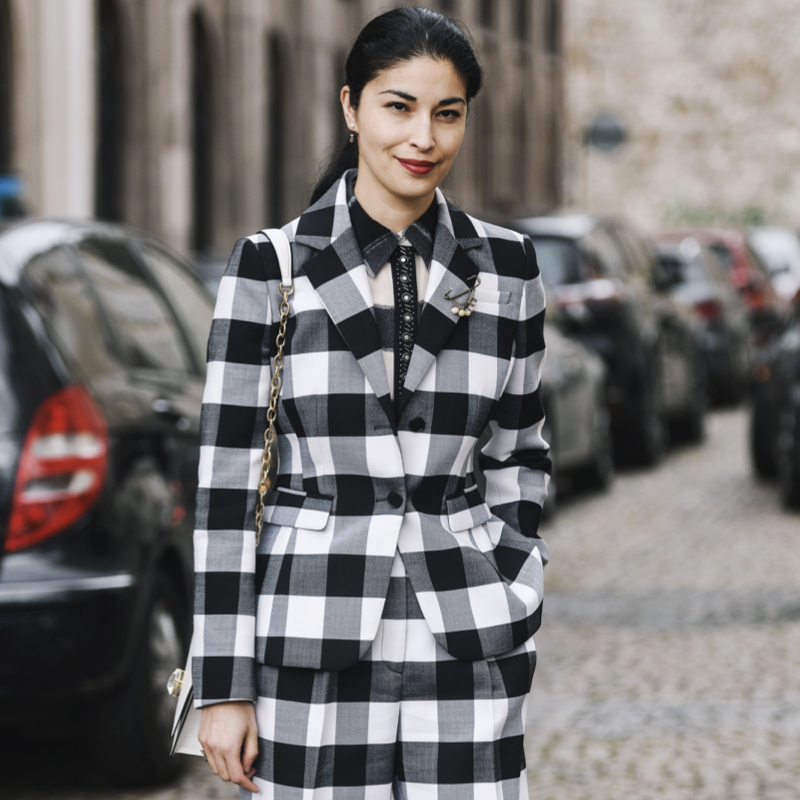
(416, 187)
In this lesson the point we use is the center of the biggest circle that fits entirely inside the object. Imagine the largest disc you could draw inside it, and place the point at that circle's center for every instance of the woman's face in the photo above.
(410, 123)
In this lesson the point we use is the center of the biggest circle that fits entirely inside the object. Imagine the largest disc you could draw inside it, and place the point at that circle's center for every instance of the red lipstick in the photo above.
(417, 167)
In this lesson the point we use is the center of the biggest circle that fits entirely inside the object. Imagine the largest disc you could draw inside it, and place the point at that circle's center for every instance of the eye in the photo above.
(450, 113)
(397, 105)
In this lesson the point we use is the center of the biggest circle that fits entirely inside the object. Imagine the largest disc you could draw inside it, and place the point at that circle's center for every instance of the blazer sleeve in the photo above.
(515, 459)
(232, 428)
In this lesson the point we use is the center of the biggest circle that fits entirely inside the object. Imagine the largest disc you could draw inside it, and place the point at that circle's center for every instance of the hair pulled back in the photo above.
(389, 39)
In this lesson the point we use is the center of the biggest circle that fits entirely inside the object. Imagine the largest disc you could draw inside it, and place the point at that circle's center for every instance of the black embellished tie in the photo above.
(404, 278)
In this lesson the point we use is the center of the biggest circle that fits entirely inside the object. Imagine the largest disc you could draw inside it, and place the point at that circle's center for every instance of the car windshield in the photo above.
(723, 254)
(682, 270)
(559, 260)
(780, 250)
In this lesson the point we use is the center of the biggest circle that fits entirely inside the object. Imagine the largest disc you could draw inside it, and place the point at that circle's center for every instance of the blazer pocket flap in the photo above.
(488, 297)
(298, 510)
(466, 510)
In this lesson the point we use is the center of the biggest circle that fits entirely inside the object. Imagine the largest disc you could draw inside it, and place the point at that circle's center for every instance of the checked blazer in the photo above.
(362, 477)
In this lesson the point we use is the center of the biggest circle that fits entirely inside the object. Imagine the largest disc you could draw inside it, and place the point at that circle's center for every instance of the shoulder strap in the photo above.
(280, 241)
(268, 463)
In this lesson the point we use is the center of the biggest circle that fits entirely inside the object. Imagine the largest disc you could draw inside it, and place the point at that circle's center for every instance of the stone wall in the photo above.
(709, 92)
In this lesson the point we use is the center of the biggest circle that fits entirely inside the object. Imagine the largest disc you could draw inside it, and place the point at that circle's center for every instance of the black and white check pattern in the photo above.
(359, 480)
(408, 717)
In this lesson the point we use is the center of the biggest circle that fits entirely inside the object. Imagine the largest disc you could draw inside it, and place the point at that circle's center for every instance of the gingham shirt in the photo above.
(377, 244)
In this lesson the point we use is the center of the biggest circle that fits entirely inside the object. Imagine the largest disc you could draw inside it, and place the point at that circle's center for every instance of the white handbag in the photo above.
(186, 722)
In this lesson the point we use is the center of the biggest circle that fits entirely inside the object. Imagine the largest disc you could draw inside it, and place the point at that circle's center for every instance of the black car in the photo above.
(775, 413)
(699, 283)
(577, 420)
(614, 298)
(102, 358)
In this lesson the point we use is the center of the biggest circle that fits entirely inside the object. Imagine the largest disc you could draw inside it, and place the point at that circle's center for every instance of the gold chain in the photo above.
(265, 482)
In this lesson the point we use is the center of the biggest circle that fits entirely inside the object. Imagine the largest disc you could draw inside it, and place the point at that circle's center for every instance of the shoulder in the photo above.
(254, 256)
(511, 252)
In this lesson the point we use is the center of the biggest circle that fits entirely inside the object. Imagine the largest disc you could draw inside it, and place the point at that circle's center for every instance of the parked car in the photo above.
(613, 298)
(577, 419)
(101, 374)
(779, 249)
(698, 282)
(748, 274)
(775, 414)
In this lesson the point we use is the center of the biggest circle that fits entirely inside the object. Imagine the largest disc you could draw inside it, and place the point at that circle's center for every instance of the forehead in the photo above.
(423, 77)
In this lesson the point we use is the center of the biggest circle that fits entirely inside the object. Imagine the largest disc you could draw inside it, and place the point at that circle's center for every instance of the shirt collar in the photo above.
(377, 242)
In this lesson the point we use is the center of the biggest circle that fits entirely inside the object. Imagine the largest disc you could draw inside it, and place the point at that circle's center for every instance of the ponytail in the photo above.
(346, 158)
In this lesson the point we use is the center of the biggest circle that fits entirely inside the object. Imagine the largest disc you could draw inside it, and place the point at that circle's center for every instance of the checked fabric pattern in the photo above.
(360, 477)
(408, 720)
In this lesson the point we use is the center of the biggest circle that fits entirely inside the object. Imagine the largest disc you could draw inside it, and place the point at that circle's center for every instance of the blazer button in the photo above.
(395, 500)
(417, 424)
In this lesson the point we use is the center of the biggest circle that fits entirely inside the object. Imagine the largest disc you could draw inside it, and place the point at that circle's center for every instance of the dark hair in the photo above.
(393, 37)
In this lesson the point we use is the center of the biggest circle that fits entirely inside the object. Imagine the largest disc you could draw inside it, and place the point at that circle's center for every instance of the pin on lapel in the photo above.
(463, 308)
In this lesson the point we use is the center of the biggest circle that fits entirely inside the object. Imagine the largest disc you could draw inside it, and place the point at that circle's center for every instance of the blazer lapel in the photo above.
(452, 272)
(339, 276)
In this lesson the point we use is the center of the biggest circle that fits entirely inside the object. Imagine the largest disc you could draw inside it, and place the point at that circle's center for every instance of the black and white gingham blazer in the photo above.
(358, 482)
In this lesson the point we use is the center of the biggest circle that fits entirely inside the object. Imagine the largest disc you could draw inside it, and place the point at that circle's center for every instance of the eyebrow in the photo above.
(447, 102)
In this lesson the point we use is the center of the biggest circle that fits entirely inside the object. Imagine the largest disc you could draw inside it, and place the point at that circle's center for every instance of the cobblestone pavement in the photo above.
(668, 660)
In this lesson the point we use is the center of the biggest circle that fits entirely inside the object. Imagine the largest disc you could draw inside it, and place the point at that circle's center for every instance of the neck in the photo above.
(392, 212)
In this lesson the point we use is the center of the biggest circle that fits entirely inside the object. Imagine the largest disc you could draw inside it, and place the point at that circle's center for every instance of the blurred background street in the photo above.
(649, 148)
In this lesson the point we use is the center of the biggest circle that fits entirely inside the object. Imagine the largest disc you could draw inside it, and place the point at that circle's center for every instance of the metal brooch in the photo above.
(463, 308)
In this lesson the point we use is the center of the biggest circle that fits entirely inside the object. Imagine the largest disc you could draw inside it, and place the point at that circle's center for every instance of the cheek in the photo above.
(451, 141)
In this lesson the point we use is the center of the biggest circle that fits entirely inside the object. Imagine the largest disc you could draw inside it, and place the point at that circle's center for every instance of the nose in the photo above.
(422, 134)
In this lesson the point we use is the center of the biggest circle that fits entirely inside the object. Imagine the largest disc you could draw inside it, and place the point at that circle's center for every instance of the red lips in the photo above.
(417, 167)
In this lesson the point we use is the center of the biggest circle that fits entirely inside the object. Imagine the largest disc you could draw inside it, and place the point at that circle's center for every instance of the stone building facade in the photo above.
(201, 120)
(708, 93)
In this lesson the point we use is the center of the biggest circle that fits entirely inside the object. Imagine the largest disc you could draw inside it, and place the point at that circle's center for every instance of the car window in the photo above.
(25, 374)
(636, 254)
(682, 270)
(59, 293)
(604, 254)
(191, 303)
(723, 253)
(148, 333)
(714, 266)
(559, 260)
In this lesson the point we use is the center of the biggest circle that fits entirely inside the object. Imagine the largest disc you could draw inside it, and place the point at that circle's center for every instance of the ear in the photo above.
(349, 111)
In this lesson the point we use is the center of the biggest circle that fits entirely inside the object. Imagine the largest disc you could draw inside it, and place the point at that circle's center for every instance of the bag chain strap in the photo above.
(265, 483)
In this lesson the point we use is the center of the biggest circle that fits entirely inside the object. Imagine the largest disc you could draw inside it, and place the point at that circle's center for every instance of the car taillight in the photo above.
(61, 470)
(753, 298)
(708, 309)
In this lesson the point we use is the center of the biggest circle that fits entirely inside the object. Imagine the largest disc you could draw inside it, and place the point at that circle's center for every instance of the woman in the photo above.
(381, 639)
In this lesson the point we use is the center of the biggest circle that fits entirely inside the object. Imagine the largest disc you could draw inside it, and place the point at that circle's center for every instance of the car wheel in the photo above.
(691, 425)
(648, 440)
(762, 433)
(135, 725)
(599, 473)
(788, 457)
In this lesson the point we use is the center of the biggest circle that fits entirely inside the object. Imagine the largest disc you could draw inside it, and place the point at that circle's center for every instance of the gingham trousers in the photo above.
(408, 721)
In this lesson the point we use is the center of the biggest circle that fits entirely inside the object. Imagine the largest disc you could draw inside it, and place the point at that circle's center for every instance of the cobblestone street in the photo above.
(671, 641)
(668, 661)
